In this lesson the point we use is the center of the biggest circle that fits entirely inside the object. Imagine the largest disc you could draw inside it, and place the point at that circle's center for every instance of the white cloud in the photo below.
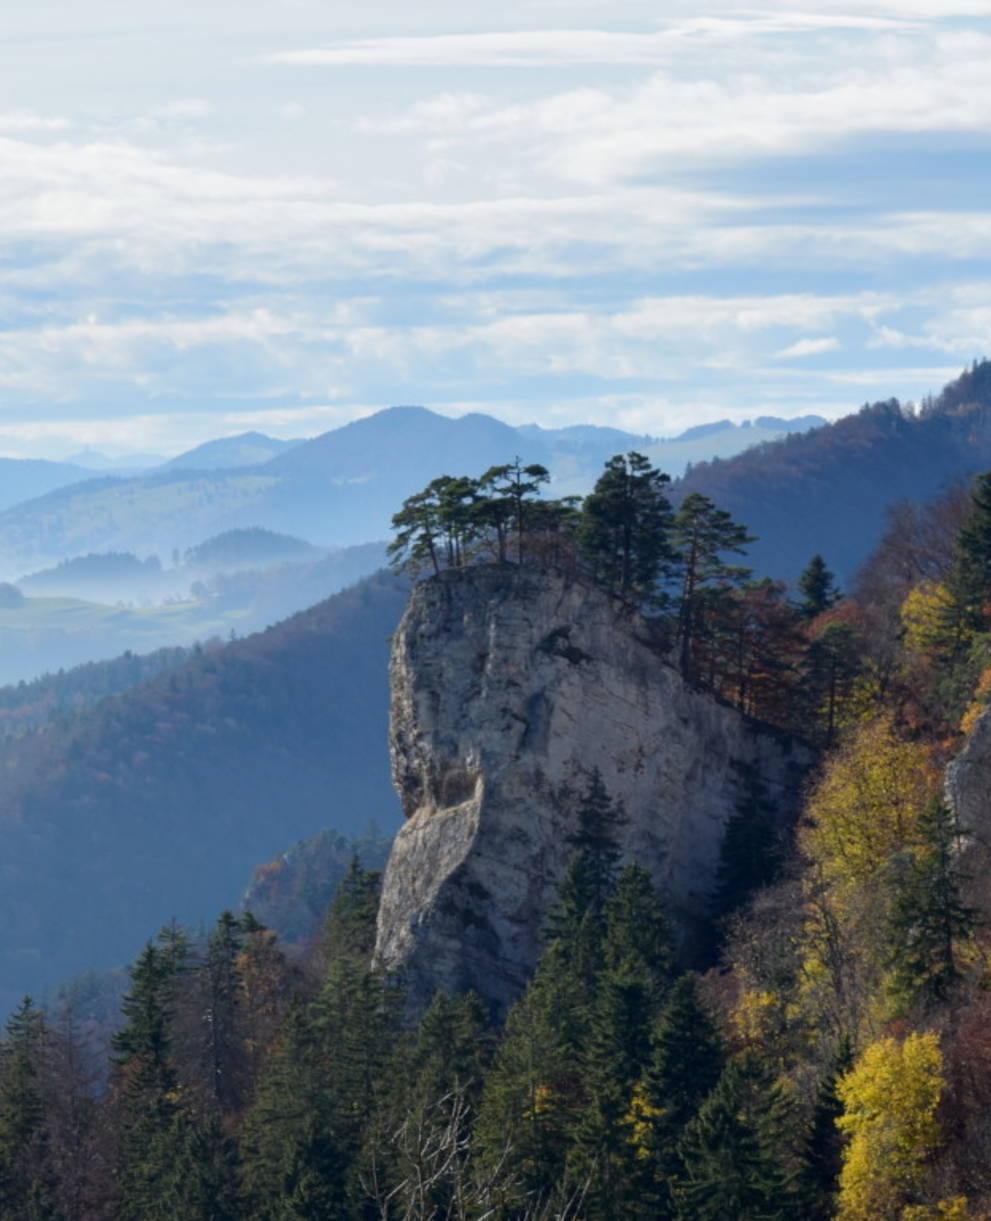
(184, 108)
(552, 47)
(30, 121)
(808, 347)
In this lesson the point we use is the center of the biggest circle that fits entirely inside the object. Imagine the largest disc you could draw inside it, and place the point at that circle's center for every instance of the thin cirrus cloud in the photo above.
(548, 48)
(808, 347)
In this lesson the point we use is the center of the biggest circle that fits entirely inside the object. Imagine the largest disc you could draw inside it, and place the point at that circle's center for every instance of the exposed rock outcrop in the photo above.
(968, 791)
(508, 686)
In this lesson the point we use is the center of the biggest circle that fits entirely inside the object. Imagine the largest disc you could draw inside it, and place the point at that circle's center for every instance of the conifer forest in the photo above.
(820, 1051)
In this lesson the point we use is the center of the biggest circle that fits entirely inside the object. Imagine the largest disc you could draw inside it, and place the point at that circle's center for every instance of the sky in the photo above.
(285, 214)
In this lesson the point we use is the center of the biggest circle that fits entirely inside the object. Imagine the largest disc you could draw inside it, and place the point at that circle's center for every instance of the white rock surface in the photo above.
(508, 686)
(968, 791)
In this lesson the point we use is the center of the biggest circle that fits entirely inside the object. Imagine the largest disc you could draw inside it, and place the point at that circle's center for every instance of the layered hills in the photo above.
(158, 802)
(828, 490)
(338, 489)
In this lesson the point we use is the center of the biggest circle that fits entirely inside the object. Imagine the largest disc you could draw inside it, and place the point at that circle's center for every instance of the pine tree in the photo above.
(625, 527)
(288, 1145)
(823, 1153)
(702, 535)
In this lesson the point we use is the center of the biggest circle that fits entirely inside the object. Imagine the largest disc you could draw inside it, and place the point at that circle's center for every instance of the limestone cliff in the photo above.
(968, 791)
(508, 686)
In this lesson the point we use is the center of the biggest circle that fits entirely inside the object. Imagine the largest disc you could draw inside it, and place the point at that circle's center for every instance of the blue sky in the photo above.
(283, 215)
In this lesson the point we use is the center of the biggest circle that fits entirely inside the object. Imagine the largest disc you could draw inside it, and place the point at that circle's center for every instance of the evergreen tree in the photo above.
(832, 664)
(625, 527)
(702, 535)
(27, 1189)
(223, 1068)
(970, 580)
(637, 958)
(349, 929)
(513, 486)
(823, 1154)
(684, 1066)
(750, 854)
(817, 585)
(928, 918)
(146, 1077)
(288, 1145)
(733, 1154)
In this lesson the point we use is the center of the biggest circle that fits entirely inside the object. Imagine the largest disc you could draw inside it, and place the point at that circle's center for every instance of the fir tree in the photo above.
(27, 1189)
(817, 585)
(637, 961)
(734, 1153)
(928, 918)
(684, 1066)
(750, 854)
(146, 1076)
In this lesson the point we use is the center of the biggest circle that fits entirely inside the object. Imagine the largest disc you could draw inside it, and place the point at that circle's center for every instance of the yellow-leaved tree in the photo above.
(862, 819)
(867, 805)
(889, 1101)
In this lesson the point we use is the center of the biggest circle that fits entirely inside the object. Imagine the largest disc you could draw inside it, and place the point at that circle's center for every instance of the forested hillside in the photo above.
(828, 490)
(821, 1053)
(156, 802)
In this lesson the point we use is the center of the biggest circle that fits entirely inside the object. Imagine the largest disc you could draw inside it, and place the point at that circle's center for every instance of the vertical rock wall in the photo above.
(508, 686)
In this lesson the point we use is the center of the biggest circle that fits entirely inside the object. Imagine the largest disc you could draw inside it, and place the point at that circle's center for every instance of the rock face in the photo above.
(508, 686)
(968, 791)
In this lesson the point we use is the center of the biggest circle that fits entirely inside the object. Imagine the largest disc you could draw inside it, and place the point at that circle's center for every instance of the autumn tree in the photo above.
(889, 1098)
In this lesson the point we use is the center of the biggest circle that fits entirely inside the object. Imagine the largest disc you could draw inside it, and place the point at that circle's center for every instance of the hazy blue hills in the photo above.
(828, 490)
(26, 478)
(246, 449)
(160, 801)
(340, 488)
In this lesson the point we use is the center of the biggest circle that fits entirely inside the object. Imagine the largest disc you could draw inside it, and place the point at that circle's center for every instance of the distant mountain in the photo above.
(253, 547)
(246, 449)
(827, 490)
(159, 802)
(114, 574)
(93, 460)
(26, 478)
(338, 489)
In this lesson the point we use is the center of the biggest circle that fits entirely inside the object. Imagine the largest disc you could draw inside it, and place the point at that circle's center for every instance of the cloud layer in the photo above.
(729, 213)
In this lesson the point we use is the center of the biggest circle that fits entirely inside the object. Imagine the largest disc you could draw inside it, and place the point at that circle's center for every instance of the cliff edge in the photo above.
(509, 685)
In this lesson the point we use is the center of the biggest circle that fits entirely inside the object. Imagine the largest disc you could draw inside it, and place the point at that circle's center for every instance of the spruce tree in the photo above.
(817, 585)
(970, 580)
(146, 1077)
(928, 918)
(736, 1153)
(27, 1187)
(637, 958)
(685, 1064)
(750, 854)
